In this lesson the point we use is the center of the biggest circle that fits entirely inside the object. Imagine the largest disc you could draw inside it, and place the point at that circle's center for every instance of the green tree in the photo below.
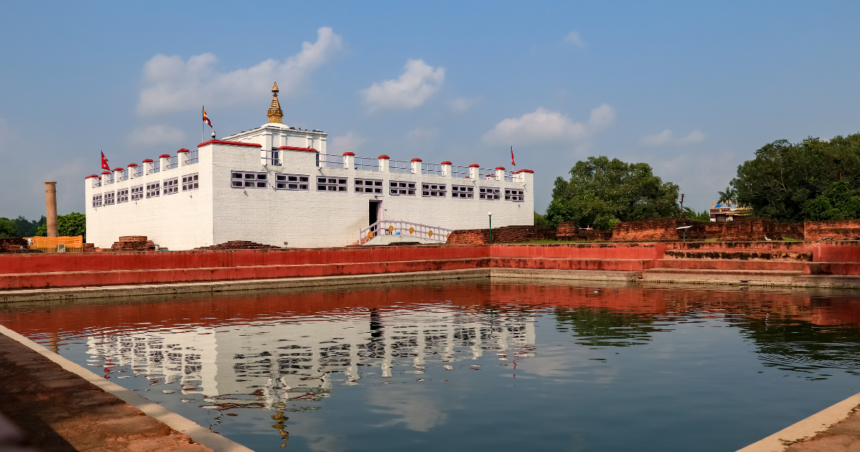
(72, 225)
(602, 192)
(28, 228)
(840, 202)
(702, 217)
(783, 178)
(8, 228)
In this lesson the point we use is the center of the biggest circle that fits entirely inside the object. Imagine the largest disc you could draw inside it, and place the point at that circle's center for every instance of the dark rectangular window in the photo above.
(298, 182)
(462, 192)
(433, 190)
(325, 183)
(189, 182)
(97, 200)
(122, 196)
(245, 179)
(489, 193)
(171, 186)
(401, 188)
(369, 186)
(110, 198)
(137, 192)
(513, 195)
(153, 190)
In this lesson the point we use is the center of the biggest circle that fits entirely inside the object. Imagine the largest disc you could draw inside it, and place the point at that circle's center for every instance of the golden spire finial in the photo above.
(275, 114)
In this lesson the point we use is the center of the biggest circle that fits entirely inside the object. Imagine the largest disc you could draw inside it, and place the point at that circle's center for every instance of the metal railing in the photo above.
(156, 167)
(109, 179)
(399, 166)
(172, 162)
(366, 164)
(487, 173)
(509, 176)
(193, 157)
(434, 169)
(138, 171)
(98, 182)
(273, 158)
(459, 171)
(329, 161)
(403, 229)
(123, 176)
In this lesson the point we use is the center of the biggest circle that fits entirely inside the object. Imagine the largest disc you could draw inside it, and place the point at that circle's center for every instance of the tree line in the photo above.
(811, 180)
(71, 225)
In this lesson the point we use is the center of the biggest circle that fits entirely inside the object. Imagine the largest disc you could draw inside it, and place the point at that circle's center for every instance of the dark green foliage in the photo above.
(28, 228)
(702, 217)
(71, 225)
(7, 228)
(785, 181)
(540, 220)
(602, 192)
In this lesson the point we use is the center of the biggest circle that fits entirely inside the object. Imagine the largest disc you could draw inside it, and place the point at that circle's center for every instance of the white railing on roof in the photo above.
(193, 157)
(272, 157)
(138, 171)
(459, 171)
(156, 167)
(487, 173)
(98, 182)
(366, 164)
(109, 179)
(123, 175)
(172, 162)
(509, 176)
(399, 166)
(329, 161)
(432, 168)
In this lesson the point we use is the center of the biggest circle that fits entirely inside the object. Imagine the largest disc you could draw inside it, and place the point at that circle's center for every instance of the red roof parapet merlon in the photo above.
(164, 156)
(182, 150)
(384, 157)
(230, 143)
(147, 161)
(417, 160)
(91, 176)
(524, 171)
(446, 163)
(105, 172)
(500, 167)
(474, 165)
(348, 153)
(292, 148)
(134, 164)
(119, 168)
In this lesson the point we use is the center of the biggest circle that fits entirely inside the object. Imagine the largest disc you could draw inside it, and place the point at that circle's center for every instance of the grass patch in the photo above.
(789, 239)
(711, 240)
(538, 242)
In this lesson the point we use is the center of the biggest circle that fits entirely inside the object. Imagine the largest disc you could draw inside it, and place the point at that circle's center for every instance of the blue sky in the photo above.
(691, 88)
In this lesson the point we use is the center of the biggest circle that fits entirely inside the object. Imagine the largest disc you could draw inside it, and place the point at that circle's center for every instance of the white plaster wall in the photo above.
(275, 135)
(179, 221)
(322, 219)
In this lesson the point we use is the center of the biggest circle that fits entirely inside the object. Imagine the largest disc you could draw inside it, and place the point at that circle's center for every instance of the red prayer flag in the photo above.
(512, 157)
(105, 162)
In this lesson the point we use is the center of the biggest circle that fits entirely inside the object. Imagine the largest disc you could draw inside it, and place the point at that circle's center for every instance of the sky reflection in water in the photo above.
(473, 366)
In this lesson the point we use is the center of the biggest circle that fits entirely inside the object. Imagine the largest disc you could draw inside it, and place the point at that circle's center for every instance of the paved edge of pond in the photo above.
(176, 422)
(805, 431)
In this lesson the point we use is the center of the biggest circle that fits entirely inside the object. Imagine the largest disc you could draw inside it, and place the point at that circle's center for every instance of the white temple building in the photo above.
(277, 185)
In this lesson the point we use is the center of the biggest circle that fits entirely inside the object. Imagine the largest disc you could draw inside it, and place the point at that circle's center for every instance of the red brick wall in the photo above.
(508, 234)
(740, 230)
(832, 230)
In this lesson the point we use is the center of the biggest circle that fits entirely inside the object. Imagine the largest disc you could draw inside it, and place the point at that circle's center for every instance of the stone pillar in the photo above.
(163, 161)
(383, 163)
(147, 166)
(107, 179)
(416, 166)
(117, 174)
(182, 157)
(132, 171)
(349, 160)
(446, 169)
(500, 173)
(51, 208)
(474, 171)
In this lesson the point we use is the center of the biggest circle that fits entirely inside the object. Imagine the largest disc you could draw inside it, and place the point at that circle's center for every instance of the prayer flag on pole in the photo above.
(206, 118)
(512, 157)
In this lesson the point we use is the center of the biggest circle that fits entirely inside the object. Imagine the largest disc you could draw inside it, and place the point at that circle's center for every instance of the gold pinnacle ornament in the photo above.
(275, 113)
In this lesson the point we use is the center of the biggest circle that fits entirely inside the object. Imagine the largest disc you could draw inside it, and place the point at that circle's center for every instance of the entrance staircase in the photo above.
(385, 232)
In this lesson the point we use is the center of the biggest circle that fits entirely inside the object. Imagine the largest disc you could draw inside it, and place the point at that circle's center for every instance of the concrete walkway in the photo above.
(56, 410)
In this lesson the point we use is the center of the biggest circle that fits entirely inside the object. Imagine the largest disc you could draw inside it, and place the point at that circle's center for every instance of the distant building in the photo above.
(276, 185)
(727, 212)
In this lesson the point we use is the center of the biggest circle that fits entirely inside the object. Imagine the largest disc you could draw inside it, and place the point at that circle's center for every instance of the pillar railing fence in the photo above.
(405, 229)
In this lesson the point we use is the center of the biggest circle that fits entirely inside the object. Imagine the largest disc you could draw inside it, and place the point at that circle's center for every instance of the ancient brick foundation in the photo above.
(508, 234)
(742, 230)
(832, 230)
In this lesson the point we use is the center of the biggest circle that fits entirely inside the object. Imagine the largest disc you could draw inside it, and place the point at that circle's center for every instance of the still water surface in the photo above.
(473, 366)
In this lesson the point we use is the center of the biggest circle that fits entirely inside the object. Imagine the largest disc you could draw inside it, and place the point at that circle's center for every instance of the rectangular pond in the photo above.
(507, 366)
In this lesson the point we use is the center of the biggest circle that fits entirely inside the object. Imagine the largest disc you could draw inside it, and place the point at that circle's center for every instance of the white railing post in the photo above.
(349, 160)
(416, 166)
(147, 166)
(446, 169)
(182, 158)
(475, 171)
(500, 173)
(163, 162)
(383, 163)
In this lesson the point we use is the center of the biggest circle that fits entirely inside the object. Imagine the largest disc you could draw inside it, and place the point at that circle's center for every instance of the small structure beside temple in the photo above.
(727, 211)
(276, 185)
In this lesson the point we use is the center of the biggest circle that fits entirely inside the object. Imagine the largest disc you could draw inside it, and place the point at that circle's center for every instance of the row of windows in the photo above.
(153, 190)
(299, 182)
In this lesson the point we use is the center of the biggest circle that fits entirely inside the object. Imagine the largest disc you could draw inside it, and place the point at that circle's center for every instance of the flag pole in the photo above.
(202, 129)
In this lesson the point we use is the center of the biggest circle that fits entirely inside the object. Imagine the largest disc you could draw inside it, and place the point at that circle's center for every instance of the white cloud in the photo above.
(461, 105)
(668, 137)
(171, 84)
(417, 83)
(549, 126)
(422, 133)
(575, 39)
(350, 142)
(159, 134)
